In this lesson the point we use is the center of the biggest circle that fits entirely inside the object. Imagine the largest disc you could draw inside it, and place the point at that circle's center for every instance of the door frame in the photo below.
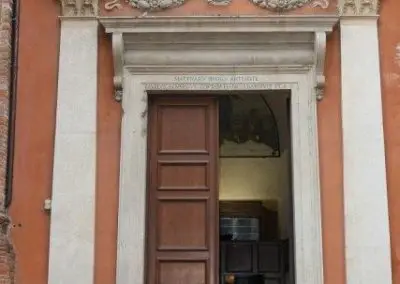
(306, 187)
(299, 71)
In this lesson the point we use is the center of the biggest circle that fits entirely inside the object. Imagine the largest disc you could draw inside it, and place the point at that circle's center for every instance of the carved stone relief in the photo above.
(319, 51)
(79, 8)
(345, 7)
(358, 7)
(273, 5)
(112, 4)
(118, 54)
(154, 5)
(219, 2)
(286, 5)
(281, 5)
(324, 4)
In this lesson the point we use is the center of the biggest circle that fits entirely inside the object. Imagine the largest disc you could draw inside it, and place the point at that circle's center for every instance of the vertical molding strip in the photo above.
(131, 264)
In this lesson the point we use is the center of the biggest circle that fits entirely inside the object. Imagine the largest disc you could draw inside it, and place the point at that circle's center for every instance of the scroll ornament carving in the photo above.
(219, 2)
(324, 4)
(118, 54)
(319, 50)
(112, 4)
(154, 5)
(79, 8)
(281, 5)
(358, 7)
(274, 5)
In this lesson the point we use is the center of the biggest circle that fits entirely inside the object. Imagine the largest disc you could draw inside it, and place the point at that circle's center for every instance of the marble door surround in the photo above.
(219, 54)
(153, 54)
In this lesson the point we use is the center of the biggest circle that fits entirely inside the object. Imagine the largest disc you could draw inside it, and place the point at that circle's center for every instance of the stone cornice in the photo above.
(79, 8)
(275, 23)
(358, 7)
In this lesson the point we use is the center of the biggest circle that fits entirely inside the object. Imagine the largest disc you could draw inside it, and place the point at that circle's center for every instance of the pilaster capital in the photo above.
(79, 8)
(358, 7)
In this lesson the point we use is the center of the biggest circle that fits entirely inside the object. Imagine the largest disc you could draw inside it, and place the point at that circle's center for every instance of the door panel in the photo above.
(182, 225)
(184, 128)
(183, 193)
(193, 272)
(188, 175)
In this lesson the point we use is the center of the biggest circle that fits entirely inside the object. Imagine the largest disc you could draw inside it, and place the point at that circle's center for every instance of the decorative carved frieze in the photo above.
(219, 2)
(79, 8)
(358, 7)
(273, 5)
(112, 4)
(155, 5)
(286, 5)
(281, 5)
(324, 4)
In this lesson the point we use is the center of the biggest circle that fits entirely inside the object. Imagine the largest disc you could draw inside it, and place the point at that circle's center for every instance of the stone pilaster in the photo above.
(367, 235)
(71, 251)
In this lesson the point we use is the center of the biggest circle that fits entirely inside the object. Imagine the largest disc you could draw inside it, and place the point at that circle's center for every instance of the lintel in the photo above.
(286, 25)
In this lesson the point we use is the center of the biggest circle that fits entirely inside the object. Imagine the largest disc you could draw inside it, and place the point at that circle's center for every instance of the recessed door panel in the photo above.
(183, 197)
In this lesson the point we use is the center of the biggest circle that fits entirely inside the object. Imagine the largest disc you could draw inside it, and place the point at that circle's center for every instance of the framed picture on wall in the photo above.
(248, 127)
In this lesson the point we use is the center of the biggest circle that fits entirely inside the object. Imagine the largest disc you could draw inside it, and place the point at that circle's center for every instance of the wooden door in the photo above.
(183, 191)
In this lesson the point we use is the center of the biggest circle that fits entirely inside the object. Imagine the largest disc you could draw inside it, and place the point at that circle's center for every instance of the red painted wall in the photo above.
(389, 36)
(36, 106)
(331, 165)
(108, 141)
(35, 121)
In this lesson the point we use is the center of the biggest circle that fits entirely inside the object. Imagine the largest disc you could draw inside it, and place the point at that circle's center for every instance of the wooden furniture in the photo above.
(263, 260)
(268, 218)
(244, 260)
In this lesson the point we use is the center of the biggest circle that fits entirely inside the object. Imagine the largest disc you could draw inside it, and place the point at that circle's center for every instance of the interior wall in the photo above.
(262, 179)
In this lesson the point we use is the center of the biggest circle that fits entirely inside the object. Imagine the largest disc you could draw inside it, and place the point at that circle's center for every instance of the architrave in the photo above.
(285, 26)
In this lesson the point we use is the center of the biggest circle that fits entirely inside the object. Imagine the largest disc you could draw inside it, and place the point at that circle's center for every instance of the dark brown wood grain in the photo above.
(183, 191)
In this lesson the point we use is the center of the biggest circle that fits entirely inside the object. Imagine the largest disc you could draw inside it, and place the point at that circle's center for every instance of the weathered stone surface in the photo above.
(7, 256)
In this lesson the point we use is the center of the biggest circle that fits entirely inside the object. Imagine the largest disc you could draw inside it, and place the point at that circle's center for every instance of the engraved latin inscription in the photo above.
(219, 86)
(218, 82)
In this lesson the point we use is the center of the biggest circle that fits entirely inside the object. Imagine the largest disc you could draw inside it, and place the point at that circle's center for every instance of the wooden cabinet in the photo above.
(253, 209)
(245, 260)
